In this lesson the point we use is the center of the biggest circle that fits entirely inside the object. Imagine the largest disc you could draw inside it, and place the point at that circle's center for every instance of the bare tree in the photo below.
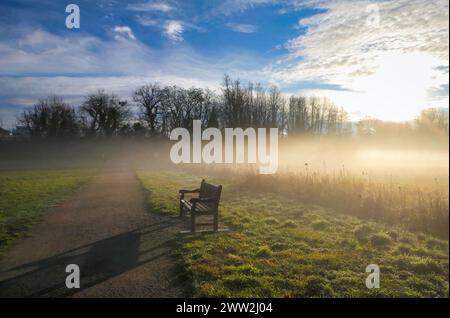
(149, 99)
(163, 108)
(233, 99)
(314, 115)
(433, 120)
(51, 117)
(104, 114)
(275, 103)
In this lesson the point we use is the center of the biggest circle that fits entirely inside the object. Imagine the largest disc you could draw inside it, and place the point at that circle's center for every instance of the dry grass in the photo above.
(280, 247)
(420, 206)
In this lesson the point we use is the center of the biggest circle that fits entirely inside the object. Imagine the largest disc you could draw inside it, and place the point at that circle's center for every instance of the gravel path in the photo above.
(122, 249)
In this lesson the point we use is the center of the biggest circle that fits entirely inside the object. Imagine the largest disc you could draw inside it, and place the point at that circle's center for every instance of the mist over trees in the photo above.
(433, 119)
(154, 110)
(432, 123)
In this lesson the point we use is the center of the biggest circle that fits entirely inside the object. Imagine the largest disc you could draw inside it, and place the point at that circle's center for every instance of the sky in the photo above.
(386, 59)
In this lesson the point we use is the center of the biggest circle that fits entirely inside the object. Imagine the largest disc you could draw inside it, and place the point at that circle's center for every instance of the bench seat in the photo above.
(200, 208)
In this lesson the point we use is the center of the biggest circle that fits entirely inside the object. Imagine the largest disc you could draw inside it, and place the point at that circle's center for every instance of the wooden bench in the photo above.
(207, 203)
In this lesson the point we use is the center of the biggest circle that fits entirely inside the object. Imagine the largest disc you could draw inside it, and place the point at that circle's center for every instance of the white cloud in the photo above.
(37, 63)
(38, 51)
(242, 28)
(27, 90)
(123, 32)
(174, 30)
(344, 45)
(146, 21)
(151, 6)
(229, 7)
(338, 45)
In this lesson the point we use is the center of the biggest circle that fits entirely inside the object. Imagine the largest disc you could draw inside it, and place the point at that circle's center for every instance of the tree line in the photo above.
(154, 110)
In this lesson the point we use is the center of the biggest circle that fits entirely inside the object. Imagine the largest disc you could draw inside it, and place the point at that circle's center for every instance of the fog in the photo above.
(356, 157)
(375, 159)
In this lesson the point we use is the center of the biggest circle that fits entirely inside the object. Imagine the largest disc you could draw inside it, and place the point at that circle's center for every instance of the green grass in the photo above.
(26, 194)
(282, 248)
(160, 185)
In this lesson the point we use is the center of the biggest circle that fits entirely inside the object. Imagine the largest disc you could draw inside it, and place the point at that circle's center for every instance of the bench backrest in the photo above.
(208, 190)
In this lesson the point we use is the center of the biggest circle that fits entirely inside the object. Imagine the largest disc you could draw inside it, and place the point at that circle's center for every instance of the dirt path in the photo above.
(122, 249)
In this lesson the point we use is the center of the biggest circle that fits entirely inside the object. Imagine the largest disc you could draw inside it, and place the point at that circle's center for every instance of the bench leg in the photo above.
(216, 222)
(192, 222)
(181, 209)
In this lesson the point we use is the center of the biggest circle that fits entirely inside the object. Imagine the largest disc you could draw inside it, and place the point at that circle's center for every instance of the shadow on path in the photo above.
(120, 246)
(98, 262)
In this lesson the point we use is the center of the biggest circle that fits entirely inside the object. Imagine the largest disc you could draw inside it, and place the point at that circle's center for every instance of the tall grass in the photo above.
(280, 247)
(418, 206)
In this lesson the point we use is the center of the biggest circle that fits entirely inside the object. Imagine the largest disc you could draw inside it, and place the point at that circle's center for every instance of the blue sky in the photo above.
(367, 56)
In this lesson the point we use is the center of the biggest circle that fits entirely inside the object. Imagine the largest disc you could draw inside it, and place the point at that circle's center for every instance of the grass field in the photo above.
(26, 194)
(279, 247)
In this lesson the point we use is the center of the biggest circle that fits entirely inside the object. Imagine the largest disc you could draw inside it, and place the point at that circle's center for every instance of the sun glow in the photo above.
(398, 89)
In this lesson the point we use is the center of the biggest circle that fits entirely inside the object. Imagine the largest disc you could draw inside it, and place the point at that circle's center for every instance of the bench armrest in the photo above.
(189, 191)
(183, 192)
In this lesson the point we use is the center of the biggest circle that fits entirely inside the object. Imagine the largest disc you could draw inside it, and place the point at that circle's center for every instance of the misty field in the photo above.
(334, 206)
(281, 247)
(26, 194)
